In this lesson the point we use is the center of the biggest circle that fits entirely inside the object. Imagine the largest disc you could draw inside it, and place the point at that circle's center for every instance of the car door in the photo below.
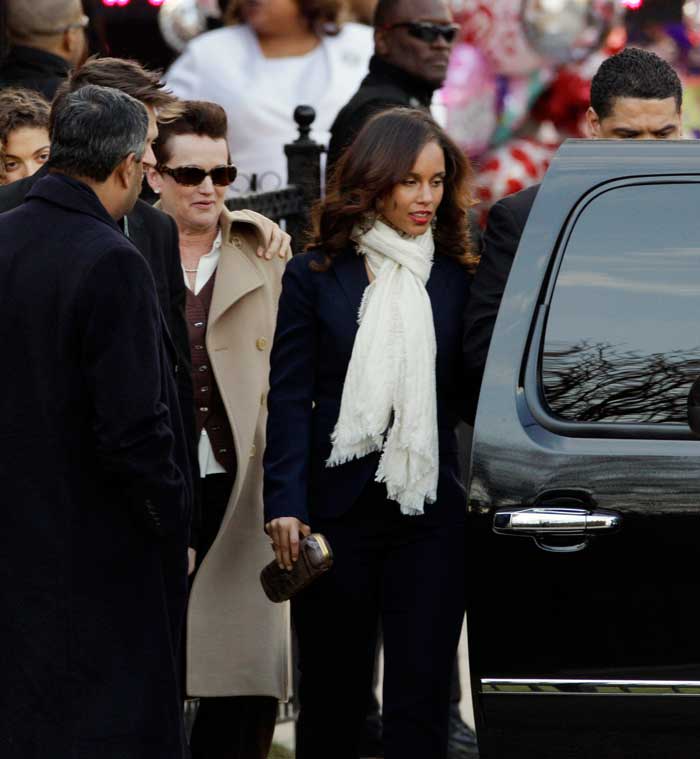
(584, 501)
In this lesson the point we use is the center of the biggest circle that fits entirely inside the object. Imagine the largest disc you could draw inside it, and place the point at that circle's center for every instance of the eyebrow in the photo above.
(630, 130)
(626, 130)
(417, 176)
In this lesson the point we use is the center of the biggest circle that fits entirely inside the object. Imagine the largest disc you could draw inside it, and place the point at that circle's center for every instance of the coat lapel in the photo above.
(231, 337)
(236, 274)
(437, 286)
(135, 230)
(137, 234)
(349, 270)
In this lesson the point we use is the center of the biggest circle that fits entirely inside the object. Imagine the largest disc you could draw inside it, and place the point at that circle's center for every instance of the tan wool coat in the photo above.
(237, 640)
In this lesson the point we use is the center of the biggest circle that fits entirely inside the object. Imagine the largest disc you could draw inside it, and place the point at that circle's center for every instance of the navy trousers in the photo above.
(408, 573)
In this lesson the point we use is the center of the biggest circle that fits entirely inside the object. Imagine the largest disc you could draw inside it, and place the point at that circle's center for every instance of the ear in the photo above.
(155, 179)
(381, 43)
(125, 171)
(65, 44)
(593, 123)
(69, 42)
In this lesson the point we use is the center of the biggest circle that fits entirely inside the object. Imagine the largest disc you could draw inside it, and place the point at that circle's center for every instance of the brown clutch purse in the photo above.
(315, 558)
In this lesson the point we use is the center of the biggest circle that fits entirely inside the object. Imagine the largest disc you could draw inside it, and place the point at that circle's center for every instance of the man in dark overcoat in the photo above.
(94, 475)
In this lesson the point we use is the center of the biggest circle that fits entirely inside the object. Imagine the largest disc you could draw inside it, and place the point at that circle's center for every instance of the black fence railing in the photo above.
(291, 204)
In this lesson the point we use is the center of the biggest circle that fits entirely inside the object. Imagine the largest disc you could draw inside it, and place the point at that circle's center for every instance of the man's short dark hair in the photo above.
(94, 129)
(199, 117)
(126, 76)
(383, 12)
(633, 73)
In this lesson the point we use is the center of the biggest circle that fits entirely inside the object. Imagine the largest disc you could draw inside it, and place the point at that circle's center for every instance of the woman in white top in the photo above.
(278, 55)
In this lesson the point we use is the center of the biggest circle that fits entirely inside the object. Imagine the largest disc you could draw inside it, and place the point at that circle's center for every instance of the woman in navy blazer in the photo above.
(398, 561)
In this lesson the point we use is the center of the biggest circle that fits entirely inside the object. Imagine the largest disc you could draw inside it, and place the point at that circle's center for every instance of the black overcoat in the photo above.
(154, 233)
(94, 490)
(505, 225)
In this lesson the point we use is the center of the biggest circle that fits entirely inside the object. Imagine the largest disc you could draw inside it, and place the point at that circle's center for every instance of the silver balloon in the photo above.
(565, 31)
(182, 20)
(691, 16)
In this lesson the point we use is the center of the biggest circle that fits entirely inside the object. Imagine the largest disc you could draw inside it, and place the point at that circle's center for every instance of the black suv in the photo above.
(584, 534)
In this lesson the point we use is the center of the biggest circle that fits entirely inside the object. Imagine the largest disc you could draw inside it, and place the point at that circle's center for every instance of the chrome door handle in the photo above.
(540, 523)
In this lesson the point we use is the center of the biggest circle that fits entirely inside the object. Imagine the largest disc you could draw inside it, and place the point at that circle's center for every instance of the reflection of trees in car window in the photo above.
(623, 333)
(601, 382)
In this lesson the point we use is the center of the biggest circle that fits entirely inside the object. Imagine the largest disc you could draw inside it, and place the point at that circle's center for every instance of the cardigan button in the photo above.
(253, 449)
(261, 343)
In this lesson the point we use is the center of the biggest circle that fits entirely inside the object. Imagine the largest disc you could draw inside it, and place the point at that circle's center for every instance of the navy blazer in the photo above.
(316, 328)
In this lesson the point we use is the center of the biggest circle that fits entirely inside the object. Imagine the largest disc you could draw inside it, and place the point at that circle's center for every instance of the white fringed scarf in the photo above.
(392, 371)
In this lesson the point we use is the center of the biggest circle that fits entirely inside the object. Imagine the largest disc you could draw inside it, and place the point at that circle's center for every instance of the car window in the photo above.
(622, 342)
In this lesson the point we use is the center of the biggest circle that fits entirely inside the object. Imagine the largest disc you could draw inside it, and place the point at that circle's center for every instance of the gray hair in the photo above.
(95, 128)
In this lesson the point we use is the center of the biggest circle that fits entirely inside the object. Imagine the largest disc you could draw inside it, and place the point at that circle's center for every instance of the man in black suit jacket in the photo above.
(412, 51)
(94, 468)
(634, 95)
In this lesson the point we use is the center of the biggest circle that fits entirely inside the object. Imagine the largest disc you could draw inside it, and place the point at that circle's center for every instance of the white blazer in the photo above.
(260, 94)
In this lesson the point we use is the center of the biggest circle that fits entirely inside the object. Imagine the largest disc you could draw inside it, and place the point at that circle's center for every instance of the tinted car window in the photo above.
(622, 342)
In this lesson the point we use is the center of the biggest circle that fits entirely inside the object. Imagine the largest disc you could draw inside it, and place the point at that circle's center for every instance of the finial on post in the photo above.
(304, 116)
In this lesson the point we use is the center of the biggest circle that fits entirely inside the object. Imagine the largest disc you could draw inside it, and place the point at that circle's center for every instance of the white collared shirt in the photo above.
(205, 271)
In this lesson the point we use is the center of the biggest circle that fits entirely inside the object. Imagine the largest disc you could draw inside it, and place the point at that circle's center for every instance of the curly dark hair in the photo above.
(634, 73)
(323, 16)
(380, 157)
(21, 108)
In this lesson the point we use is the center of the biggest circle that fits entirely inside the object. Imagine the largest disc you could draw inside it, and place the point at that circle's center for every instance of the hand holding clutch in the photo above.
(315, 558)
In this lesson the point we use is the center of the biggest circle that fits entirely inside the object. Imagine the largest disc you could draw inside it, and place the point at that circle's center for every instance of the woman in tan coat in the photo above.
(237, 641)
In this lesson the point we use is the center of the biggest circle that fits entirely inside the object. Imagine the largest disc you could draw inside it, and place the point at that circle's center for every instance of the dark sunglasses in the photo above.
(427, 32)
(193, 175)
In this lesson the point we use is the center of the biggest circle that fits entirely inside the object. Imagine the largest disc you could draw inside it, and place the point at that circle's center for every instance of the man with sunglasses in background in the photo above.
(412, 44)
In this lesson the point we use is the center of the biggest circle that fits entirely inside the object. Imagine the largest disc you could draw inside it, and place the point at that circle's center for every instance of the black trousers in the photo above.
(237, 727)
(408, 573)
(240, 727)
